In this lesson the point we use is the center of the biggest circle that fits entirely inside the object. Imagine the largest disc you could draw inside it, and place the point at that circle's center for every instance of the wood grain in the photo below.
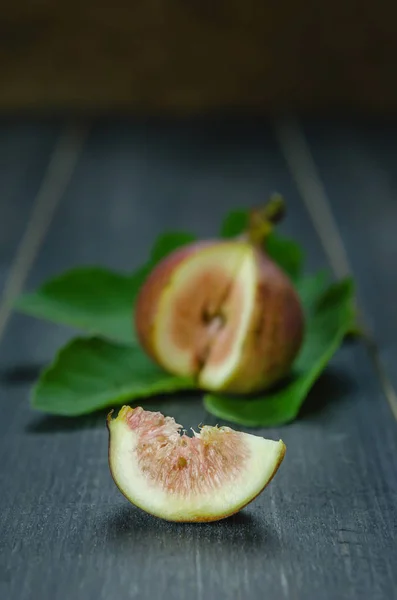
(325, 527)
(25, 148)
(358, 165)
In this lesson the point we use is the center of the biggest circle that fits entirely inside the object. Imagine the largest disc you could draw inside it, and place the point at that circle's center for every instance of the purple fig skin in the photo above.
(276, 330)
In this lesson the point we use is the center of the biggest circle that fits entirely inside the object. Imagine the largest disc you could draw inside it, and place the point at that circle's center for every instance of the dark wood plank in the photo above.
(358, 163)
(25, 148)
(322, 530)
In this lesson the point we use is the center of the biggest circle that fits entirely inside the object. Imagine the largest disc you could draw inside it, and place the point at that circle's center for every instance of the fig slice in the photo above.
(206, 477)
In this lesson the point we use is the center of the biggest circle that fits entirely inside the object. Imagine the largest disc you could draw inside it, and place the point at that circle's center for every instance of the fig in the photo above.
(206, 477)
(222, 311)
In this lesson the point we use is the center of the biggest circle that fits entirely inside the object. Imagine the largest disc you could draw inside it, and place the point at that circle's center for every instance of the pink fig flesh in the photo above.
(207, 477)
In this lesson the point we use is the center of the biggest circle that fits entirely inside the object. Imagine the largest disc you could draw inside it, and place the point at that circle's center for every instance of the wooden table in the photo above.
(100, 192)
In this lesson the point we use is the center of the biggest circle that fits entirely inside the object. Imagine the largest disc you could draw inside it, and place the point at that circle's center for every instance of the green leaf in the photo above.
(94, 299)
(169, 242)
(91, 373)
(311, 288)
(234, 224)
(88, 298)
(286, 253)
(329, 318)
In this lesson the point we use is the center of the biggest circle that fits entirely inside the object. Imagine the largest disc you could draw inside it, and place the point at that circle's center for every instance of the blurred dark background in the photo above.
(184, 56)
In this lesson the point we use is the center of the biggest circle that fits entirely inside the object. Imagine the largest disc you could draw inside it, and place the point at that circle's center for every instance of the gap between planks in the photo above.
(56, 178)
(301, 164)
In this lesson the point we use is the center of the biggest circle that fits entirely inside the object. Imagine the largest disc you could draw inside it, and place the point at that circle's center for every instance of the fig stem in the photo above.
(261, 220)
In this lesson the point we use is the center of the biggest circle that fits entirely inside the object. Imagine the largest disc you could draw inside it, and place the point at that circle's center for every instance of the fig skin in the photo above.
(275, 332)
(233, 286)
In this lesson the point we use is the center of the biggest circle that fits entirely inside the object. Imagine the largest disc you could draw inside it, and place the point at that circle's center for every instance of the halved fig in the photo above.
(222, 312)
(207, 477)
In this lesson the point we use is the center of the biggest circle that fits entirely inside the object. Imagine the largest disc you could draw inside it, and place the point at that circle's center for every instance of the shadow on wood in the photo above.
(332, 387)
(126, 524)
